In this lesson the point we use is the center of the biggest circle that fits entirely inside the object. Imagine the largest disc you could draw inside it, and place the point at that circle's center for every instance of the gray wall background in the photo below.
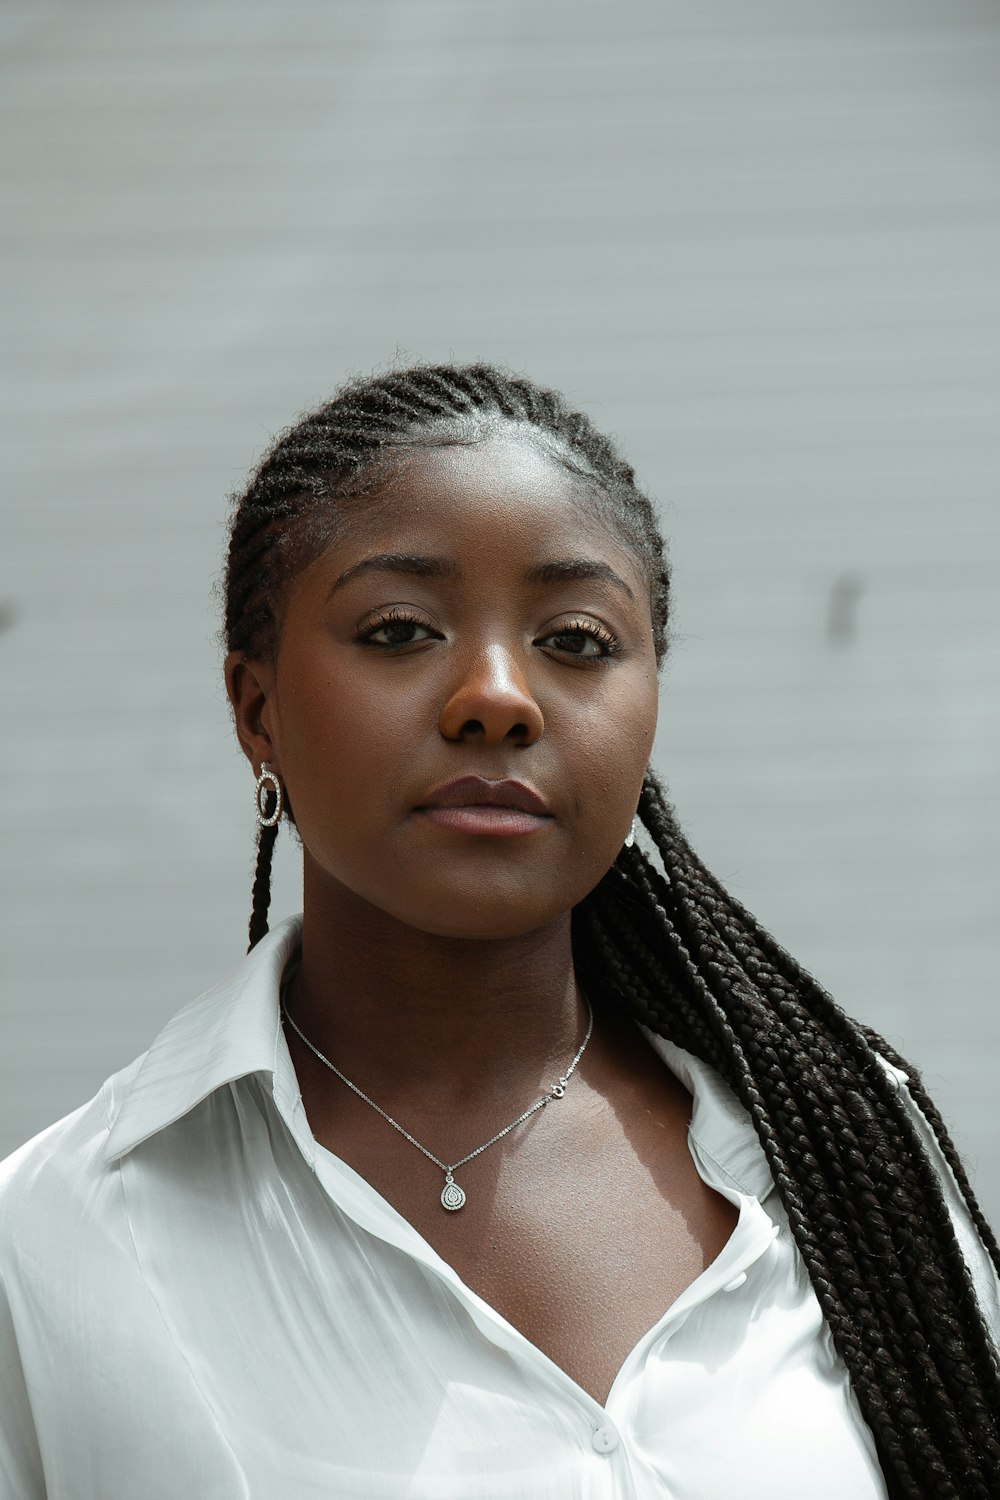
(758, 239)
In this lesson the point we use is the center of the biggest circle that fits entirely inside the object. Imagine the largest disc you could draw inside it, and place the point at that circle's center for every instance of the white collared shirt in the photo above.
(198, 1302)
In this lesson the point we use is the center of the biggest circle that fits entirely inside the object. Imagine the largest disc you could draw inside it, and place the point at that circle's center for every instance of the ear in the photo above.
(250, 685)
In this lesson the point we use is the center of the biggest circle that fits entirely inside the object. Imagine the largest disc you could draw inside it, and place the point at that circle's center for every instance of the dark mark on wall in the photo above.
(842, 608)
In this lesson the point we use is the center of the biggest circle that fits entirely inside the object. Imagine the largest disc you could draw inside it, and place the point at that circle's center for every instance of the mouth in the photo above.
(495, 809)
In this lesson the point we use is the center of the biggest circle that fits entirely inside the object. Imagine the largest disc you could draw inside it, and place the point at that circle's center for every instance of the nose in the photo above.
(492, 702)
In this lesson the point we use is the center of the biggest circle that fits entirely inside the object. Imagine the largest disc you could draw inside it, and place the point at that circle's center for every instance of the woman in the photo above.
(410, 1205)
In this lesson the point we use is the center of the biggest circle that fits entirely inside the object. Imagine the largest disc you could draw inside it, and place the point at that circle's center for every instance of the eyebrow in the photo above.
(578, 570)
(406, 563)
(412, 565)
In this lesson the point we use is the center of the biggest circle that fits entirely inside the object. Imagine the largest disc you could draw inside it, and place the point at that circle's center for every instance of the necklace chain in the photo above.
(452, 1196)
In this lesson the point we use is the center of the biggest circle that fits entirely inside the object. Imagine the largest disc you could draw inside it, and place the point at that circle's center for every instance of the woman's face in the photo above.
(477, 624)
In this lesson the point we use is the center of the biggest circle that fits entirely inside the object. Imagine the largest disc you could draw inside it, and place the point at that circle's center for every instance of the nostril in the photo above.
(474, 728)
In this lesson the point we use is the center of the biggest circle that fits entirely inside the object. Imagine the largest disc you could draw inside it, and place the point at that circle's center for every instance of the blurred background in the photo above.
(759, 240)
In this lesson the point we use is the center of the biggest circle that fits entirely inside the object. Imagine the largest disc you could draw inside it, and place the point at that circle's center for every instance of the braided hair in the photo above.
(661, 937)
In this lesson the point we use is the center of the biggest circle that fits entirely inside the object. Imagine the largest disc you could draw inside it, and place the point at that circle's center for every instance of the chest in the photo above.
(251, 1341)
(254, 1327)
(581, 1233)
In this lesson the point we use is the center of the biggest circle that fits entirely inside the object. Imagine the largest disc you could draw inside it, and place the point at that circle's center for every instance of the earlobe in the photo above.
(249, 685)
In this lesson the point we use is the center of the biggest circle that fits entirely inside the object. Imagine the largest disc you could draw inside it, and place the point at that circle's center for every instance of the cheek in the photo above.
(338, 752)
(612, 741)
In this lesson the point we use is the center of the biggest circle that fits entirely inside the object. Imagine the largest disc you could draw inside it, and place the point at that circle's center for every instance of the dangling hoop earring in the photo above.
(630, 838)
(267, 781)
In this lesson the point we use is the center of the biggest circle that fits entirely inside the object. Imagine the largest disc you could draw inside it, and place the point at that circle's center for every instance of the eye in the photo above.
(395, 629)
(583, 639)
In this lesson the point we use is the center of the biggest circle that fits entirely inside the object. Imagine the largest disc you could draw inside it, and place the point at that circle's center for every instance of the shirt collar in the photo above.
(234, 1029)
(230, 1031)
(720, 1127)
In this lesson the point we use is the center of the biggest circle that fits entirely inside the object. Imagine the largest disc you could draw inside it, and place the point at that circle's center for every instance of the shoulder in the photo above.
(53, 1183)
(61, 1193)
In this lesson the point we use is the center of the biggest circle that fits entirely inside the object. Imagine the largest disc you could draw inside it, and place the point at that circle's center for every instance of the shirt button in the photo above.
(737, 1281)
(605, 1440)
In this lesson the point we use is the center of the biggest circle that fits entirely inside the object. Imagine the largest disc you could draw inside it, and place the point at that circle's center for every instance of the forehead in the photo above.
(507, 494)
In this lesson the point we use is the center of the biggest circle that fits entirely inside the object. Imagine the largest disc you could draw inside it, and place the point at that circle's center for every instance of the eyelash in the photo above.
(378, 622)
(610, 644)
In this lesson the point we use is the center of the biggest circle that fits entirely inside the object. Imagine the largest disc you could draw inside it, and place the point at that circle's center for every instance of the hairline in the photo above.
(464, 429)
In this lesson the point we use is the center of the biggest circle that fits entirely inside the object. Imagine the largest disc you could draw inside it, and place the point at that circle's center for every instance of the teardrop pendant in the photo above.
(452, 1197)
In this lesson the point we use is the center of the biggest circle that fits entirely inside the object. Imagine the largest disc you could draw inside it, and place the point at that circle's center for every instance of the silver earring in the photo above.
(267, 781)
(630, 838)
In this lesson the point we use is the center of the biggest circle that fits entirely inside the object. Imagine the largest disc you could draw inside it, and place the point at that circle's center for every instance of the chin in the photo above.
(485, 920)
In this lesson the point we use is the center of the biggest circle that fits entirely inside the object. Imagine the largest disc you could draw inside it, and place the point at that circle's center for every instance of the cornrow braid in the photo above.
(663, 939)
(284, 516)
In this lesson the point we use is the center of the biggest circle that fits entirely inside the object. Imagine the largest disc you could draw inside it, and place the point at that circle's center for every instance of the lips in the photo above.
(496, 809)
(476, 791)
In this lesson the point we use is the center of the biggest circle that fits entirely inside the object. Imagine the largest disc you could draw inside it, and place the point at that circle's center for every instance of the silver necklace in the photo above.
(452, 1196)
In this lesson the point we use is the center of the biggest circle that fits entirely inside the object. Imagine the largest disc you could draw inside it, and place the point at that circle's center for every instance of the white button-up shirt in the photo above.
(198, 1300)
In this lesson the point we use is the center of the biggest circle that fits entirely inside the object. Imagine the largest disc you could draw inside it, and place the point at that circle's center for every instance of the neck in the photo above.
(399, 1010)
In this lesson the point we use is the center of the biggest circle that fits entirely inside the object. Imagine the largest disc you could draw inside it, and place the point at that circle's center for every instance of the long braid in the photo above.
(260, 898)
(888, 1267)
(668, 942)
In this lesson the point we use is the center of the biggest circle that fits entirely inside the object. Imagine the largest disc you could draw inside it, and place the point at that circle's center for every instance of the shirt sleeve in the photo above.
(21, 1475)
(974, 1252)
